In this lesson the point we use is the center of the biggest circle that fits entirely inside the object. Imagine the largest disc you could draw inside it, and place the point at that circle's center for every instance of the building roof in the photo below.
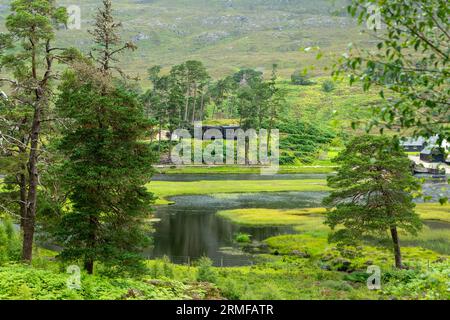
(413, 142)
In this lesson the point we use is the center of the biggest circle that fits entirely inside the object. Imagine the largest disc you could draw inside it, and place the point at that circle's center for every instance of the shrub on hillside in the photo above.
(328, 86)
(300, 140)
(301, 79)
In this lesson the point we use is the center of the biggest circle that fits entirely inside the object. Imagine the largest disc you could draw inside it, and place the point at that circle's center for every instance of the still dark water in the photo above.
(190, 228)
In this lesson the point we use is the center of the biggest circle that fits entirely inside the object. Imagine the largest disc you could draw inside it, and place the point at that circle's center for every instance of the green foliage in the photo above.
(104, 166)
(19, 282)
(328, 86)
(411, 61)
(372, 191)
(205, 272)
(301, 140)
(230, 289)
(242, 238)
(300, 78)
(106, 37)
(10, 245)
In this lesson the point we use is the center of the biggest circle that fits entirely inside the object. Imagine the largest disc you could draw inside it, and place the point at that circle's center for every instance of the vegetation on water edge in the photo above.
(165, 189)
(310, 220)
(284, 169)
(263, 216)
(271, 217)
(300, 266)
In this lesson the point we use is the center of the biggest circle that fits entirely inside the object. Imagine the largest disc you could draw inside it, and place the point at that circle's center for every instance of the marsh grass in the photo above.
(166, 189)
(275, 217)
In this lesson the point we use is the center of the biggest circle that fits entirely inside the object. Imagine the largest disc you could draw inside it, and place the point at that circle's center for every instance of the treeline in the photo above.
(188, 94)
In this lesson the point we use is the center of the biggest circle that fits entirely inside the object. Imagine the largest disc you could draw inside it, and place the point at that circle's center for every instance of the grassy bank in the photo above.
(165, 189)
(273, 217)
(434, 211)
(258, 217)
(310, 222)
(319, 169)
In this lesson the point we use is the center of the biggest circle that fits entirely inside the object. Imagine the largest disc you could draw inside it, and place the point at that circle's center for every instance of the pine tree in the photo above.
(26, 52)
(372, 193)
(106, 165)
(107, 39)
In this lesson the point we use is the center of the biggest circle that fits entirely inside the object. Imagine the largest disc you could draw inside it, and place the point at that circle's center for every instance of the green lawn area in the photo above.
(165, 189)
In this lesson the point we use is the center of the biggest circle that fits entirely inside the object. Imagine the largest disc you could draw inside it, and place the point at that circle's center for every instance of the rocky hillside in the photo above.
(224, 34)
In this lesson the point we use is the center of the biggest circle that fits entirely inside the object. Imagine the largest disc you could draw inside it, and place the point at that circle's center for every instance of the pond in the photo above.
(190, 228)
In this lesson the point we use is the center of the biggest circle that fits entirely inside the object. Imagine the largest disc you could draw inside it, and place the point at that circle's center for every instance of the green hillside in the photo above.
(224, 34)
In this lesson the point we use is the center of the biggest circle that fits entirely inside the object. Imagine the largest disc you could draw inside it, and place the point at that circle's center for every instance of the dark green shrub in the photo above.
(300, 79)
(328, 86)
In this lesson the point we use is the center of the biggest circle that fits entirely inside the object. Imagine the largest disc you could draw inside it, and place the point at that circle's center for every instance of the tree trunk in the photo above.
(186, 106)
(397, 252)
(89, 266)
(23, 198)
(28, 230)
(195, 102)
(202, 106)
(247, 147)
(159, 134)
(214, 111)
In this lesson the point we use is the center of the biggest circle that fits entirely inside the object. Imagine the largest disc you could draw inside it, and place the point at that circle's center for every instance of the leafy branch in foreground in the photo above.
(409, 66)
